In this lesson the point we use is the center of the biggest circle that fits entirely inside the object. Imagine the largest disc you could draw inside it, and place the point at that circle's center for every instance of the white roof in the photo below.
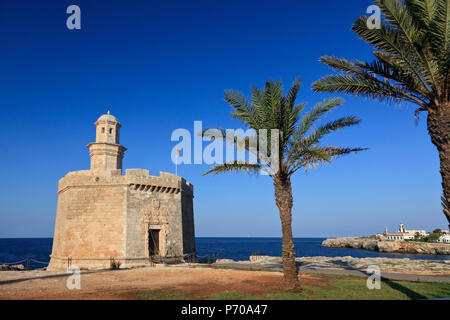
(108, 117)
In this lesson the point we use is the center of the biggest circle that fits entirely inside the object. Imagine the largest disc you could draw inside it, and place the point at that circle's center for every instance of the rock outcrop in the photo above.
(320, 263)
(17, 267)
(389, 246)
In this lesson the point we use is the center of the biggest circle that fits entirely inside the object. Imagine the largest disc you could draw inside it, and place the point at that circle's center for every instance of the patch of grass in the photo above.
(335, 287)
(162, 294)
(243, 268)
(343, 288)
(233, 296)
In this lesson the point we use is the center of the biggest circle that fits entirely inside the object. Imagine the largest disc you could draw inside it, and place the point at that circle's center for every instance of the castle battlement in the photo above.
(135, 179)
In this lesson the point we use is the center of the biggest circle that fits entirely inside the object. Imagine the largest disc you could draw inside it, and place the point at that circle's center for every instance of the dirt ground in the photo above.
(124, 284)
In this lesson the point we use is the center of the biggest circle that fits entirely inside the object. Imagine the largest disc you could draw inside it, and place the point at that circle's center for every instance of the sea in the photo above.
(38, 249)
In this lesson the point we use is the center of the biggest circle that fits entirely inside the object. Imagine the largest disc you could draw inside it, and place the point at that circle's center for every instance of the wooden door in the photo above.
(153, 242)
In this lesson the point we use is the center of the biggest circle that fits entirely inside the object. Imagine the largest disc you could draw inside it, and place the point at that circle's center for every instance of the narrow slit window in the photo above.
(103, 130)
(110, 131)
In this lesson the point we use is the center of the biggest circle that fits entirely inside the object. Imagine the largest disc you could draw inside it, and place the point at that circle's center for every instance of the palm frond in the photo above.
(318, 111)
(242, 108)
(412, 56)
(391, 41)
(271, 112)
(314, 157)
(235, 167)
(292, 95)
(315, 136)
(364, 86)
(302, 146)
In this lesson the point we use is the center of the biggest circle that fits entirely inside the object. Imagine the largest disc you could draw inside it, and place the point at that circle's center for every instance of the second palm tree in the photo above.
(298, 147)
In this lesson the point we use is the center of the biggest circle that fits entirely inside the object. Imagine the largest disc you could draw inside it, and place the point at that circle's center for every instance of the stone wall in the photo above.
(153, 210)
(103, 214)
(90, 225)
(105, 156)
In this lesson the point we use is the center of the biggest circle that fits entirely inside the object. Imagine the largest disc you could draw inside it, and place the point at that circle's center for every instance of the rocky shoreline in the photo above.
(17, 267)
(325, 264)
(389, 246)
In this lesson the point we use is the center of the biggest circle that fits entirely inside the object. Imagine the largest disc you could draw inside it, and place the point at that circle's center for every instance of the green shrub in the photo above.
(434, 237)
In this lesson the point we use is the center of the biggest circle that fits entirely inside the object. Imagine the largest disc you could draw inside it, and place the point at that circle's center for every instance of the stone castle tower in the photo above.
(102, 214)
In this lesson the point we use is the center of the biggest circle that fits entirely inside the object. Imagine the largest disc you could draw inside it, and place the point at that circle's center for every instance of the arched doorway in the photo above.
(153, 242)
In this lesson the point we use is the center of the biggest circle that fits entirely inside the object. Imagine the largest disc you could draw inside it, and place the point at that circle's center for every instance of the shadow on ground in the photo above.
(61, 275)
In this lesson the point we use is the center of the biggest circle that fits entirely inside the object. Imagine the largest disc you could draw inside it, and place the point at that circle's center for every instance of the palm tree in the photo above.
(298, 147)
(412, 63)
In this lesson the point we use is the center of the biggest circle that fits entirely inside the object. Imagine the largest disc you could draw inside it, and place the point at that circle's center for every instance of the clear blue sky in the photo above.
(160, 65)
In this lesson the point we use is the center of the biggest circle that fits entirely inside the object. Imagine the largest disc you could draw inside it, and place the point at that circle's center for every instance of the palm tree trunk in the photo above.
(439, 129)
(284, 201)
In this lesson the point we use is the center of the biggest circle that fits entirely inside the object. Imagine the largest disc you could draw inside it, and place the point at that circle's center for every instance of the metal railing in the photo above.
(190, 258)
(207, 258)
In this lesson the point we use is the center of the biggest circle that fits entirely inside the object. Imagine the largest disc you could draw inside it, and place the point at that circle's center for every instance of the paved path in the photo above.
(346, 271)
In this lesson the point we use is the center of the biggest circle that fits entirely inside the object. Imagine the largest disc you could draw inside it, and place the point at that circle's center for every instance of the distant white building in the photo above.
(403, 234)
(445, 238)
(398, 236)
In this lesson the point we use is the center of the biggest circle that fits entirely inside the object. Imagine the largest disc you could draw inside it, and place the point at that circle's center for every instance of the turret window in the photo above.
(110, 131)
(103, 130)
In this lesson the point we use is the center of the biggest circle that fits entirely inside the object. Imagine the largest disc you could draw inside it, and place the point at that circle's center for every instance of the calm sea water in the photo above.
(16, 249)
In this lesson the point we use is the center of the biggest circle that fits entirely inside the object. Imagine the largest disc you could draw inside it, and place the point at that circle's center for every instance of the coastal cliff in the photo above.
(389, 246)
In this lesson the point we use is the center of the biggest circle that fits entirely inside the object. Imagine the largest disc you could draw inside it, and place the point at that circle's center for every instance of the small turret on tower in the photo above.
(108, 128)
(106, 152)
